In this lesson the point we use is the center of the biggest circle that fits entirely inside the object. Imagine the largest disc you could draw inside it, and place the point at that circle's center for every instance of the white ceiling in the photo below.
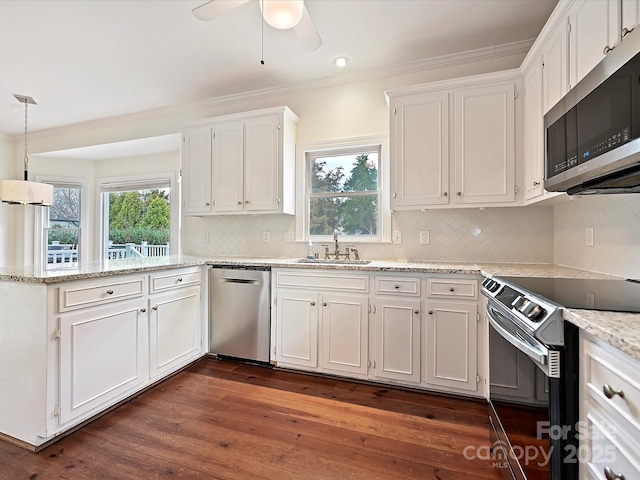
(85, 60)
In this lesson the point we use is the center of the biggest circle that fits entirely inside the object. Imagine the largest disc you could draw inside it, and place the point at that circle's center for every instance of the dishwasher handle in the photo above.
(245, 281)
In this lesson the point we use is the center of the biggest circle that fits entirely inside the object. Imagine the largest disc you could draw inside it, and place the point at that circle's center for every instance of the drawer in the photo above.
(397, 285)
(606, 372)
(604, 449)
(452, 288)
(170, 279)
(350, 282)
(92, 293)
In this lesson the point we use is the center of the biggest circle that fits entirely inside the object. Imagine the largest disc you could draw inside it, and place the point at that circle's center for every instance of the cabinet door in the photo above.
(420, 151)
(534, 132)
(485, 145)
(590, 37)
(555, 72)
(103, 355)
(174, 329)
(297, 328)
(451, 358)
(196, 170)
(630, 15)
(262, 166)
(228, 167)
(345, 333)
(397, 340)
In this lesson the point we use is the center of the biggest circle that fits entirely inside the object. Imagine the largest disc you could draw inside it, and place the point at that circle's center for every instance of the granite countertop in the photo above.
(40, 274)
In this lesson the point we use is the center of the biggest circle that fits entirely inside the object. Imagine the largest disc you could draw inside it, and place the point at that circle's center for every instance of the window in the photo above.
(343, 191)
(137, 219)
(62, 227)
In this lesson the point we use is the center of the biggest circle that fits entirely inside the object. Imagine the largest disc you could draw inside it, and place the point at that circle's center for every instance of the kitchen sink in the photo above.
(333, 261)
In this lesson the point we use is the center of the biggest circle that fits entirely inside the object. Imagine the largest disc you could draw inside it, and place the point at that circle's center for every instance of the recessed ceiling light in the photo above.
(340, 61)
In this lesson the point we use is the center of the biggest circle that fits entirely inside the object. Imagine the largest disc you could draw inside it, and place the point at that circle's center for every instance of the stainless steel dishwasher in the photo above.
(240, 312)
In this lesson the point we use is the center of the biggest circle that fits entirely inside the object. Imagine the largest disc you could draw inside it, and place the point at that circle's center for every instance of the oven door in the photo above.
(535, 350)
(519, 409)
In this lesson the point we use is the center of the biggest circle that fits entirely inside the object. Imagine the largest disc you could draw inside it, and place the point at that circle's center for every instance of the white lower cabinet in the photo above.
(397, 340)
(297, 328)
(103, 354)
(327, 321)
(174, 329)
(451, 356)
(345, 333)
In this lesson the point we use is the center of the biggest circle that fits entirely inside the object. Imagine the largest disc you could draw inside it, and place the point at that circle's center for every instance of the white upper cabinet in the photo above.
(630, 16)
(196, 172)
(420, 127)
(593, 30)
(247, 167)
(453, 142)
(555, 72)
(534, 132)
(485, 145)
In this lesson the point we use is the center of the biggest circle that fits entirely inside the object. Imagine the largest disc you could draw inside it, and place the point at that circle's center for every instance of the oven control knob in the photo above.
(535, 312)
(519, 302)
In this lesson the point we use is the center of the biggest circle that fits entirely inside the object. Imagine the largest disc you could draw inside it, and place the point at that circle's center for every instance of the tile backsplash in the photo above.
(616, 225)
(521, 235)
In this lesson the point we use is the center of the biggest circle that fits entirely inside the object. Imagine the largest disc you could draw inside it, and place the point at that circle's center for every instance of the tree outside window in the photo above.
(344, 192)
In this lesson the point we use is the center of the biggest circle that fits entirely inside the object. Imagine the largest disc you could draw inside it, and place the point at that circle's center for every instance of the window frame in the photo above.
(42, 221)
(346, 146)
(139, 182)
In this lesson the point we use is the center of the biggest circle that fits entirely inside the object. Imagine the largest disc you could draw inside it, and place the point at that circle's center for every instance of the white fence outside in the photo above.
(68, 253)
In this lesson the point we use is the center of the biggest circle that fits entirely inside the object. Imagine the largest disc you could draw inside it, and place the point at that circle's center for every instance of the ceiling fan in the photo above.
(280, 14)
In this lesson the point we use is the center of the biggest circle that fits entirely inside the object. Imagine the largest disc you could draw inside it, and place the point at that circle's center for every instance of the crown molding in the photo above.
(470, 56)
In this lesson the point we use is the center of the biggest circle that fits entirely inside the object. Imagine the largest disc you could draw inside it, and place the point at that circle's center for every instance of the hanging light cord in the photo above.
(262, 33)
(26, 158)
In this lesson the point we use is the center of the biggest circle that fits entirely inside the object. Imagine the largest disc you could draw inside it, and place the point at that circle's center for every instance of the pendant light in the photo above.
(24, 192)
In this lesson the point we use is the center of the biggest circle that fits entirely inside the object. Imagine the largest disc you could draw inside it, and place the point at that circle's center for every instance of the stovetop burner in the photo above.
(614, 295)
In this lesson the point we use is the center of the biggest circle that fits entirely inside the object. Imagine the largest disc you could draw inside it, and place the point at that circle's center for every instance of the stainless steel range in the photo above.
(533, 404)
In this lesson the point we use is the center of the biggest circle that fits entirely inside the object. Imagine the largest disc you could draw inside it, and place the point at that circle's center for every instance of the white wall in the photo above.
(616, 222)
(7, 212)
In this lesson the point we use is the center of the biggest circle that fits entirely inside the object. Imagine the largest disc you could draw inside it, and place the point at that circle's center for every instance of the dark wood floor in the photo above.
(226, 420)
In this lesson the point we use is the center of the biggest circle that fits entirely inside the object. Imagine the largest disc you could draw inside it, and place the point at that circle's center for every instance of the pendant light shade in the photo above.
(24, 192)
(282, 14)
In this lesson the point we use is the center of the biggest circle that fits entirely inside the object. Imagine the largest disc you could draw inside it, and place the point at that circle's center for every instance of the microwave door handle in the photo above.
(537, 355)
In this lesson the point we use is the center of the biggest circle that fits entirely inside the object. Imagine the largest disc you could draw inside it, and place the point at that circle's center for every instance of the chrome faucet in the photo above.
(337, 245)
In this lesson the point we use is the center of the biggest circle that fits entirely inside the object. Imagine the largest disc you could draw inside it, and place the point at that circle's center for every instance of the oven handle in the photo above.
(539, 356)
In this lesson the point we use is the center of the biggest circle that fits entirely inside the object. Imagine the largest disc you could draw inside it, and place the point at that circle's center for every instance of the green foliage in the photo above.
(153, 236)
(157, 215)
(65, 236)
(130, 212)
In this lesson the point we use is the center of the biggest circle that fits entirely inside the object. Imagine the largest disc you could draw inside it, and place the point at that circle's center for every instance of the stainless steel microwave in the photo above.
(592, 136)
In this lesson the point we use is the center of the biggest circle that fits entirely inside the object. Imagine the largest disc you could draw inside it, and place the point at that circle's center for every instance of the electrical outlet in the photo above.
(424, 237)
(589, 235)
(289, 237)
(396, 236)
(266, 237)
(205, 238)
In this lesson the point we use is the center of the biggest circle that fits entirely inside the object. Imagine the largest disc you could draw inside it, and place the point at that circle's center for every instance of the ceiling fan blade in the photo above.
(307, 32)
(215, 8)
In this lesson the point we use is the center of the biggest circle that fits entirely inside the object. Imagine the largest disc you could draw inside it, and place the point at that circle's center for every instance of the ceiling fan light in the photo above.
(282, 14)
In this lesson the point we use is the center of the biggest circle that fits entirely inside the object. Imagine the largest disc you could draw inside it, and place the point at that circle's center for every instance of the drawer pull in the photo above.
(452, 289)
(109, 292)
(430, 312)
(416, 312)
(611, 392)
(611, 475)
(313, 304)
(397, 287)
(143, 310)
(179, 280)
(155, 307)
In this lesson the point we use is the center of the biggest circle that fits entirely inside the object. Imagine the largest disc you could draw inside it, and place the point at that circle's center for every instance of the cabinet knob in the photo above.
(611, 475)
(324, 304)
(452, 289)
(207, 204)
(459, 194)
(239, 202)
(179, 280)
(155, 307)
(416, 312)
(313, 304)
(430, 312)
(109, 292)
(397, 287)
(611, 392)
(445, 194)
(626, 31)
(535, 183)
(606, 50)
(143, 310)
(247, 201)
